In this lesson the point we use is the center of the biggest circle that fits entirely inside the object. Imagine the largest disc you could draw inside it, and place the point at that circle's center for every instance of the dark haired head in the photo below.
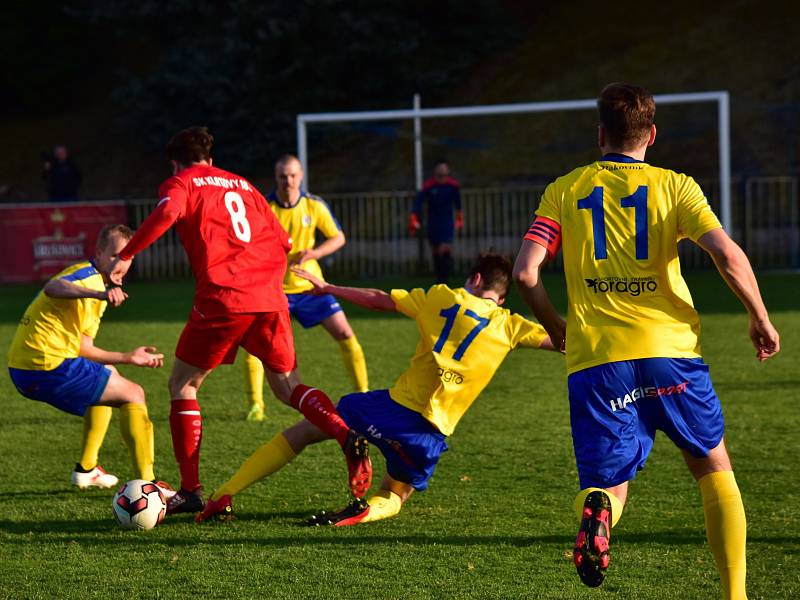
(191, 145)
(626, 113)
(495, 271)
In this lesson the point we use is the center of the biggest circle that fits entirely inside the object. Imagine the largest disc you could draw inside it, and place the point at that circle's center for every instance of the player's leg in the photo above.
(135, 424)
(318, 409)
(693, 420)
(611, 443)
(205, 343)
(339, 328)
(266, 460)
(87, 472)
(186, 427)
(726, 525)
(442, 259)
(270, 339)
(254, 386)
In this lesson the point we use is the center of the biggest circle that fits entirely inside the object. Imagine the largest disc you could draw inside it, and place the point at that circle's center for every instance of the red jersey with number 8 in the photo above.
(236, 246)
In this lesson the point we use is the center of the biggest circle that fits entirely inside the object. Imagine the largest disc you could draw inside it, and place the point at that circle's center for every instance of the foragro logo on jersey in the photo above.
(448, 375)
(646, 392)
(633, 286)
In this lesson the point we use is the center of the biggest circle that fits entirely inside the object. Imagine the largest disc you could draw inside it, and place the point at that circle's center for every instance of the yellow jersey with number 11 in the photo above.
(620, 221)
(463, 341)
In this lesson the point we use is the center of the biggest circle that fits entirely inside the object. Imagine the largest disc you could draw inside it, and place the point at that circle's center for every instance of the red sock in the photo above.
(186, 425)
(319, 410)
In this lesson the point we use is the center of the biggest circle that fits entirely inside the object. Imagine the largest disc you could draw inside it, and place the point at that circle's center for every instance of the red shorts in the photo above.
(207, 342)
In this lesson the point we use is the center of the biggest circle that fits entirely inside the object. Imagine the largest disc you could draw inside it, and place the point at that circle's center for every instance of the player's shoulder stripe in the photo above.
(323, 203)
(84, 270)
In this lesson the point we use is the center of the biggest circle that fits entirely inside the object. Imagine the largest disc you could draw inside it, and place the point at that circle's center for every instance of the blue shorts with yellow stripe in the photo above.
(312, 310)
(616, 408)
(73, 386)
(408, 441)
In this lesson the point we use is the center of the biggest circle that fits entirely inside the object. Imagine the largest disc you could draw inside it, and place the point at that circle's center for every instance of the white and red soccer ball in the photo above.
(139, 504)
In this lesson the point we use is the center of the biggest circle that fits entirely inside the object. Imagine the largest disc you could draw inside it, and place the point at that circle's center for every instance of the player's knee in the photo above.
(178, 386)
(134, 393)
(342, 333)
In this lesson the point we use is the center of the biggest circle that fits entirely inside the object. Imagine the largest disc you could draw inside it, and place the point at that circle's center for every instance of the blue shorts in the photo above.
(312, 310)
(408, 442)
(73, 386)
(616, 408)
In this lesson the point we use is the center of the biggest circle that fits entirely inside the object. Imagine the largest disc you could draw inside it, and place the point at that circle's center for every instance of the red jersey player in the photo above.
(237, 251)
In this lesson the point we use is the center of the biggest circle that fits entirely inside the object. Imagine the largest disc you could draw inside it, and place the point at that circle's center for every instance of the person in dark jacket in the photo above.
(444, 217)
(62, 176)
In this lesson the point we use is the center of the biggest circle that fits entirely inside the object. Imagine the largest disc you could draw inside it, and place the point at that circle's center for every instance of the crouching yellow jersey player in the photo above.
(464, 336)
(53, 359)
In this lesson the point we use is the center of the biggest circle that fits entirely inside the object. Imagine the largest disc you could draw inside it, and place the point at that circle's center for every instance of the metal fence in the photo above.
(765, 213)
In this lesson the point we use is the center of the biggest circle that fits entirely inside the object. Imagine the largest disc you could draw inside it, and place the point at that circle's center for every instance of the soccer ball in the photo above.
(139, 504)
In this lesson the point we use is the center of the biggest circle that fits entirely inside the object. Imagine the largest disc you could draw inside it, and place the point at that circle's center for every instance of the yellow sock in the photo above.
(137, 432)
(267, 459)
(383, 505)
(616, 505)
(95, 425)
(726, 530)
(355, 363)
(254, 380)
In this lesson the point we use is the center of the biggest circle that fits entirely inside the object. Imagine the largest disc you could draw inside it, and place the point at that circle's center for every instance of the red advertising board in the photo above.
(38, 240)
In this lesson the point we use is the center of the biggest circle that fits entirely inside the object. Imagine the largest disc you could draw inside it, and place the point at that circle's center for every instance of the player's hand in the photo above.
(117, 270)
(459, 220)
(764, 337)
(302, 256)
(115, 296)
(146, 356)
(319, 284)
(413, 224)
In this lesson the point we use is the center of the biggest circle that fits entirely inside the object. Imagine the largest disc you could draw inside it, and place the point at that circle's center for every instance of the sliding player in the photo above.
(53, 359)
(464, 337)
(302, 215)
(633, 352)
(237, 250)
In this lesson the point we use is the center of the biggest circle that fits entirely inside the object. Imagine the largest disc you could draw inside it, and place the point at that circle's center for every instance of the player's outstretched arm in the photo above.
(735, 269)
(367, 297)
(61, 288)
(527, 274)
(143, 356)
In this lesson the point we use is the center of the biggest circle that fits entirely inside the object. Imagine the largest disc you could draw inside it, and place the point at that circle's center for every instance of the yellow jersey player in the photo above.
(464, 336)
(53, 359)
(632, 334)
(302, 215)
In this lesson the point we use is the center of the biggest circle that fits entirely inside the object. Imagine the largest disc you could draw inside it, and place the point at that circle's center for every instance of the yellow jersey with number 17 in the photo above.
(620, 221)
(51, 328)
(463, 341)
(301, 221)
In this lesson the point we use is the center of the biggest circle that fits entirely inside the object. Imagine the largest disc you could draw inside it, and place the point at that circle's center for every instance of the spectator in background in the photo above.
(62, 176)
(442, 194)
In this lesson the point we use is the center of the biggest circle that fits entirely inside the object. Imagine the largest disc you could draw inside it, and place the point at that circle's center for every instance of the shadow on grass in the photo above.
(85, 531)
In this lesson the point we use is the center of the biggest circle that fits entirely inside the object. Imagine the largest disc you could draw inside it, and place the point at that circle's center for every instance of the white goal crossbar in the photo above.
(417, 113)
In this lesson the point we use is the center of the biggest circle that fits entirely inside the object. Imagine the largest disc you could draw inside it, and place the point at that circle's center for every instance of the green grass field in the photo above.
(495, 523)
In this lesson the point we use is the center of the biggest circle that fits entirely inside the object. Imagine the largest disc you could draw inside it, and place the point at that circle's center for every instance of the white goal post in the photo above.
(417, 113)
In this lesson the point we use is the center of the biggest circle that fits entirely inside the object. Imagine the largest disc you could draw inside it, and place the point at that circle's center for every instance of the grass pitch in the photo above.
(495, 523)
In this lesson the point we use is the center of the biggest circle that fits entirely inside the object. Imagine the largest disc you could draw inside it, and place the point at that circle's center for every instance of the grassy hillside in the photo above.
(571, 50)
